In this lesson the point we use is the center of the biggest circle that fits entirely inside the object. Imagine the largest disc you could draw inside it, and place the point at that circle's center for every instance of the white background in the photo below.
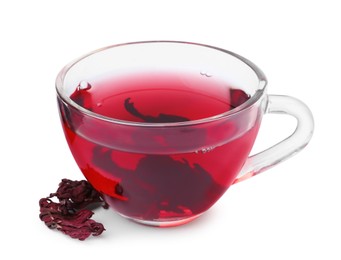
(292, 211)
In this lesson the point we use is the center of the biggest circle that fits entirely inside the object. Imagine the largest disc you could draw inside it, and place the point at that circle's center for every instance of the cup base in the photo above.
(162, 223)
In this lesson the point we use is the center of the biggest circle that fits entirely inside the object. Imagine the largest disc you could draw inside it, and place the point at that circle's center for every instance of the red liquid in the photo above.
(171, 183)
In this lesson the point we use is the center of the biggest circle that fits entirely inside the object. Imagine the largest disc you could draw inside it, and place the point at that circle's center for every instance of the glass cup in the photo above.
(163, 128)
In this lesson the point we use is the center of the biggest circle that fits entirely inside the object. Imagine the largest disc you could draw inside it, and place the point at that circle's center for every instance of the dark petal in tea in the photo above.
(160, 184)
(238, 97)
(161, 118)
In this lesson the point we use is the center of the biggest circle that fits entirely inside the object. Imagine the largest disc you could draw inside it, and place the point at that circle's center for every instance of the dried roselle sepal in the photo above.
(76, 225)
(82, 232)
(79, 225)
(78, 193)
(69, 214)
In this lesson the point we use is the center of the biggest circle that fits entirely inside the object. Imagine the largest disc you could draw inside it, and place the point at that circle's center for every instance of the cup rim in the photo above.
(261, 89)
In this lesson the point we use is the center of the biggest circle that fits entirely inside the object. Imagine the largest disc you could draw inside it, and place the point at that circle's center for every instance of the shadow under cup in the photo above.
(161, 129)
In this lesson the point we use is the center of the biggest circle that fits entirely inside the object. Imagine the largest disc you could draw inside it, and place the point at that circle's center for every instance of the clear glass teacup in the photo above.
(163, 128)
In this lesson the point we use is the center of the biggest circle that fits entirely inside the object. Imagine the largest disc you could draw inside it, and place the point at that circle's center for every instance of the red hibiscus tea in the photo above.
(158, 176)
(162, 128)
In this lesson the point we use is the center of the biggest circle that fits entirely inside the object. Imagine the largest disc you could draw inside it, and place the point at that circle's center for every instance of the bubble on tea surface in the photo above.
(205, 150)
(206, 74)
(84, 85)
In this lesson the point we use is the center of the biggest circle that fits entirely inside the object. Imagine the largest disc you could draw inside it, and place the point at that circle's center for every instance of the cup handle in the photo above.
(281, 151)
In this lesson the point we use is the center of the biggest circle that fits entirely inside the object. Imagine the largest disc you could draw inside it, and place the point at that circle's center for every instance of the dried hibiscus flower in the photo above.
(70, 214)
